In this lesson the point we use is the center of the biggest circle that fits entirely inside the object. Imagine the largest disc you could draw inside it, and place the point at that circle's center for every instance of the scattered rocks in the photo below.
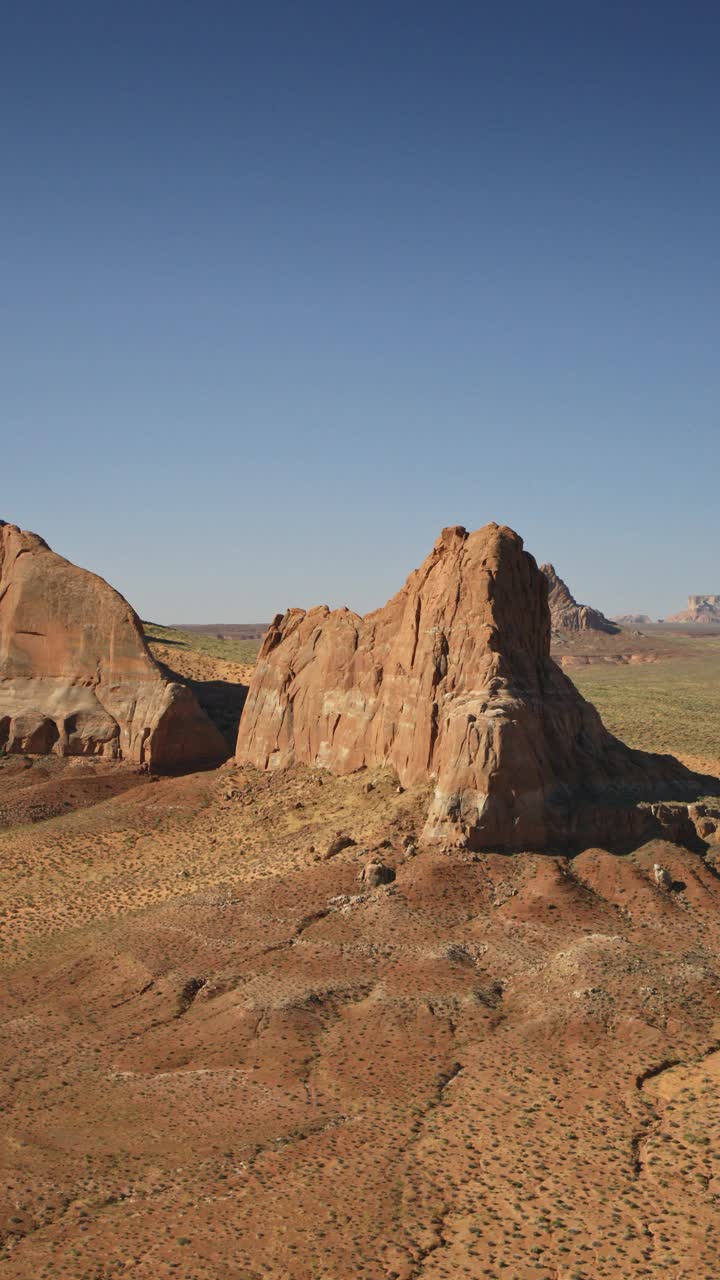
(345, 902)
(502, 892)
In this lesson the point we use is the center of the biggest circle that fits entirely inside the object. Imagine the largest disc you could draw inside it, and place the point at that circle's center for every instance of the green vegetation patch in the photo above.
(663, 706)
(228, 649)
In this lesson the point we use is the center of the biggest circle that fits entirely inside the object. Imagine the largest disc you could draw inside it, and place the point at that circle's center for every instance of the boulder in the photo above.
(663, 879)
(452, 683)
(375, 874)
(706, 819)
(565, 612)
(337, 845)
(76, 676)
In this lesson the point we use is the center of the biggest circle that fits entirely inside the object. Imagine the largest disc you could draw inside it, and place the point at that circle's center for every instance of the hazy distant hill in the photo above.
(230, 630)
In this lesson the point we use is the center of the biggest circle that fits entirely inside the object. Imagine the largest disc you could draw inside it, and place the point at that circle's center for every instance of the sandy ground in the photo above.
(226, 1059)
(194, 666)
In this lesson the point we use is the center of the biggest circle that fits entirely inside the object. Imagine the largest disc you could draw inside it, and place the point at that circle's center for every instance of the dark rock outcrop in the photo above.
(375, 874)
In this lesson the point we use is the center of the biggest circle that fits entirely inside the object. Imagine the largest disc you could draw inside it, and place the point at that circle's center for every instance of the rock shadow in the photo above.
(221, 700)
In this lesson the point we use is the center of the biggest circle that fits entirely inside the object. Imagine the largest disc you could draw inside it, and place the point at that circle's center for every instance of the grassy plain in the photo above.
(229, 649)
(669, 705)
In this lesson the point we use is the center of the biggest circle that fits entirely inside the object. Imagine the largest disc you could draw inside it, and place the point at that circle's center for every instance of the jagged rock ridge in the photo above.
(76, 676)
(452, 682)
(565, 612)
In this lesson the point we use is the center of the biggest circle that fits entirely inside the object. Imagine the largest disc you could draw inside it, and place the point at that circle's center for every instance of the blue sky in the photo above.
(287, 287)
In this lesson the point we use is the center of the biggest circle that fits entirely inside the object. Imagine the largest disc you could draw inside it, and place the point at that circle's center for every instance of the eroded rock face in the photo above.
(452, 681)
(76, 677)
(565, 612)
(700, 609)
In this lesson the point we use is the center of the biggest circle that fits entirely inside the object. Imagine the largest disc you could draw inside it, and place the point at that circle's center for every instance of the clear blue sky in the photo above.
(287, 287)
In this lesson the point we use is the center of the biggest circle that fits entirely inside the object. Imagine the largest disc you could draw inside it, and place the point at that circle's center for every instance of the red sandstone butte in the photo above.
(76, 676)
(452, 682)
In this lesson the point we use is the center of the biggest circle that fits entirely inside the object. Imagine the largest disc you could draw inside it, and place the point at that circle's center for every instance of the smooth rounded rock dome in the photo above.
(76, 675)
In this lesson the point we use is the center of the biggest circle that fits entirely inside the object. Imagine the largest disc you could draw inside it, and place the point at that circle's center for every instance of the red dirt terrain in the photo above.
(268, 1022)
(227, 1057)
(34, 788)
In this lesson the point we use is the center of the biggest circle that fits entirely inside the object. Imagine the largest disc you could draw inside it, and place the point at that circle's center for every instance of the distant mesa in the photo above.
(565, 612)
(76, 676)
(632, 619)
(224, 630)
(700, 609)
(452, 683)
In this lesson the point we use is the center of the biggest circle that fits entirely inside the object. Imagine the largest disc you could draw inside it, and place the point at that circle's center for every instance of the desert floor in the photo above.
(225, 1058)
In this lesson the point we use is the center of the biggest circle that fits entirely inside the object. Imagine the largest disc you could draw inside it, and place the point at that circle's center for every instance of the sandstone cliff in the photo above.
(452, 681)
(700, 609)
(76, 677)
(565, 612)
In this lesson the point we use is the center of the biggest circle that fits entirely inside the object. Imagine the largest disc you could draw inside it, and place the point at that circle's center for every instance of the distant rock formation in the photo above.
(76, 676)
(700, 609)
(631, 619)
(452, 681)
(565, 612)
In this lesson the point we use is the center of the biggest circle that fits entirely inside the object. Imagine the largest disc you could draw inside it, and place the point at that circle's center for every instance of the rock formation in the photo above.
(452, 682)
(632, 619)
(565, 612)
(375, 874)
(700, 609)
(76, 677)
